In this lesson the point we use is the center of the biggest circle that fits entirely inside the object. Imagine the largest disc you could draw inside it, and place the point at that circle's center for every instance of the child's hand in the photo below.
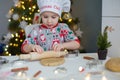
(37, 48)
(58, 47)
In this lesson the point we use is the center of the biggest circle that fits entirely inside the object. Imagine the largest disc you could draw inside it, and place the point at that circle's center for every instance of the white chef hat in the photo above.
(56, 6)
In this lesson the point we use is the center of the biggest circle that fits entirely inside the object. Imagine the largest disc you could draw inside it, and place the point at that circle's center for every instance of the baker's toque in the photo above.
(56, 6)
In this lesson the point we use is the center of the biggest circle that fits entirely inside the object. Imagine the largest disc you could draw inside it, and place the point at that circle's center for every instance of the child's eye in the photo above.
(53, 17)
(45, 16)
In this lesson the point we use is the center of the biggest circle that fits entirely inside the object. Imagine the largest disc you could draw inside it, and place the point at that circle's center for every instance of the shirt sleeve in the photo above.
(68, 34)
(31, 38)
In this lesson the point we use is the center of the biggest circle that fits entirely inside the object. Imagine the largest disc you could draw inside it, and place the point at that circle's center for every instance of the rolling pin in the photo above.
(46, 54)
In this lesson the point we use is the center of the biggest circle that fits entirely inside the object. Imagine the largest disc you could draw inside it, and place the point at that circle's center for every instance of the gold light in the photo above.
(16, 39)
(9, 20)
(10, 44)
(23, 17)
(12, 35)
(7, 52)
(23, 7)
(60, 19)
(34, 7)
(16, 34)
(70, 20)
(21, 40)
(29, 8)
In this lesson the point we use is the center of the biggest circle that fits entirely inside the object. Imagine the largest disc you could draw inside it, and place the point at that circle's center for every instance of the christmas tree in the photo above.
(26, 12)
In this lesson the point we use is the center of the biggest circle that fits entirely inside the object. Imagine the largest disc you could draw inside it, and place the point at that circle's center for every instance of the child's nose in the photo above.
(49, 20)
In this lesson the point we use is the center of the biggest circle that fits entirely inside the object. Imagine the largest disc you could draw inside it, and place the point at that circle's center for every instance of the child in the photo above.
(51, 35)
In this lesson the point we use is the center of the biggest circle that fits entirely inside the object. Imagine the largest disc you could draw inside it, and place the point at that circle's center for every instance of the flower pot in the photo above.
(102, 54)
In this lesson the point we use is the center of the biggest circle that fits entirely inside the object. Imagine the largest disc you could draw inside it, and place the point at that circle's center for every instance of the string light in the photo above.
(16, 34)
(21, 40)
(29, 8)
(23, 17)
(61, 19)
(23, 7)
(16, 39)
(12, 35)
(34, 7)
(22, 2)
(9, 20)
(70, 20)
(10, 44)
(9, 54)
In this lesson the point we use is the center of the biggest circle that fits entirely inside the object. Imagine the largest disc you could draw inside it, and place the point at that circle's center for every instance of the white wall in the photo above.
(5, 5)
(111, 18)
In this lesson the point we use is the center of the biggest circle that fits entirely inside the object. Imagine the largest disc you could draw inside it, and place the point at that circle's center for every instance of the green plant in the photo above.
(102, 40)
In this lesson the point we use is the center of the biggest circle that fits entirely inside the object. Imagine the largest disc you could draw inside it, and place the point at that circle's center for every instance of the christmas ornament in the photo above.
(36, 19)
(67, 16)
(78, 32)
(15, 16)
(9, 14)
(23, 24)
(7, 37)
(15, 2)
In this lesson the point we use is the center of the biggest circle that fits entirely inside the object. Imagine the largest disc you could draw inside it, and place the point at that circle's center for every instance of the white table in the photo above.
(71, 64)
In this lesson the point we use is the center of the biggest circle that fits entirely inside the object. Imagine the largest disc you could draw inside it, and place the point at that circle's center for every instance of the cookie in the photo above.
(54, 61)
(113, 64)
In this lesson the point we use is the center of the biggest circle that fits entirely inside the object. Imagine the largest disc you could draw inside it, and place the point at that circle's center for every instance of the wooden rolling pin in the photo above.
(46, 54)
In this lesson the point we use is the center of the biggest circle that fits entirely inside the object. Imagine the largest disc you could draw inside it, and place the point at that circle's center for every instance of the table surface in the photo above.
(70, 69)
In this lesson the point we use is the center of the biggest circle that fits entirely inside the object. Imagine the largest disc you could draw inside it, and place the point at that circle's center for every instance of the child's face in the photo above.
(49, 19)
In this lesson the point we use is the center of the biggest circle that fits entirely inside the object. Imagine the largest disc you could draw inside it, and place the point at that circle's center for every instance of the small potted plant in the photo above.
(103, 44)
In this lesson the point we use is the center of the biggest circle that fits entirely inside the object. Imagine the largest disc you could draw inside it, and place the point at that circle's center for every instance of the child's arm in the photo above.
(32, 48)
(71, 45)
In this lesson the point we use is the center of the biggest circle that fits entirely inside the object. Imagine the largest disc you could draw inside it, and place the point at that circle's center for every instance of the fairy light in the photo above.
(12, 35)
(41, 78)
(21, 40)
(26, 19)
(22, 2)
(9, 20)
(29, 18)
(23, 7)
(16, 45)
(5, 49)
(7, 46)
(34, 7)
(38, 10)
(87, 77)
(16, 39)
(61, 19)
(10, 44)
(16, 34)
(30, 13)
(29, 8)
(12, 10)
(70, 20)
(104, 78)
(9, 54)
(13, 44)
(32, 10)
(23, 17)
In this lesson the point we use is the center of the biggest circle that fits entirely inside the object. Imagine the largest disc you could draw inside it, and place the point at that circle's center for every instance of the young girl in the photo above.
(51, 35)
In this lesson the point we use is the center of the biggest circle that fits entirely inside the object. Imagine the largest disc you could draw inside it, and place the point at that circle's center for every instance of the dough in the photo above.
(54, 61)
(113, 64)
